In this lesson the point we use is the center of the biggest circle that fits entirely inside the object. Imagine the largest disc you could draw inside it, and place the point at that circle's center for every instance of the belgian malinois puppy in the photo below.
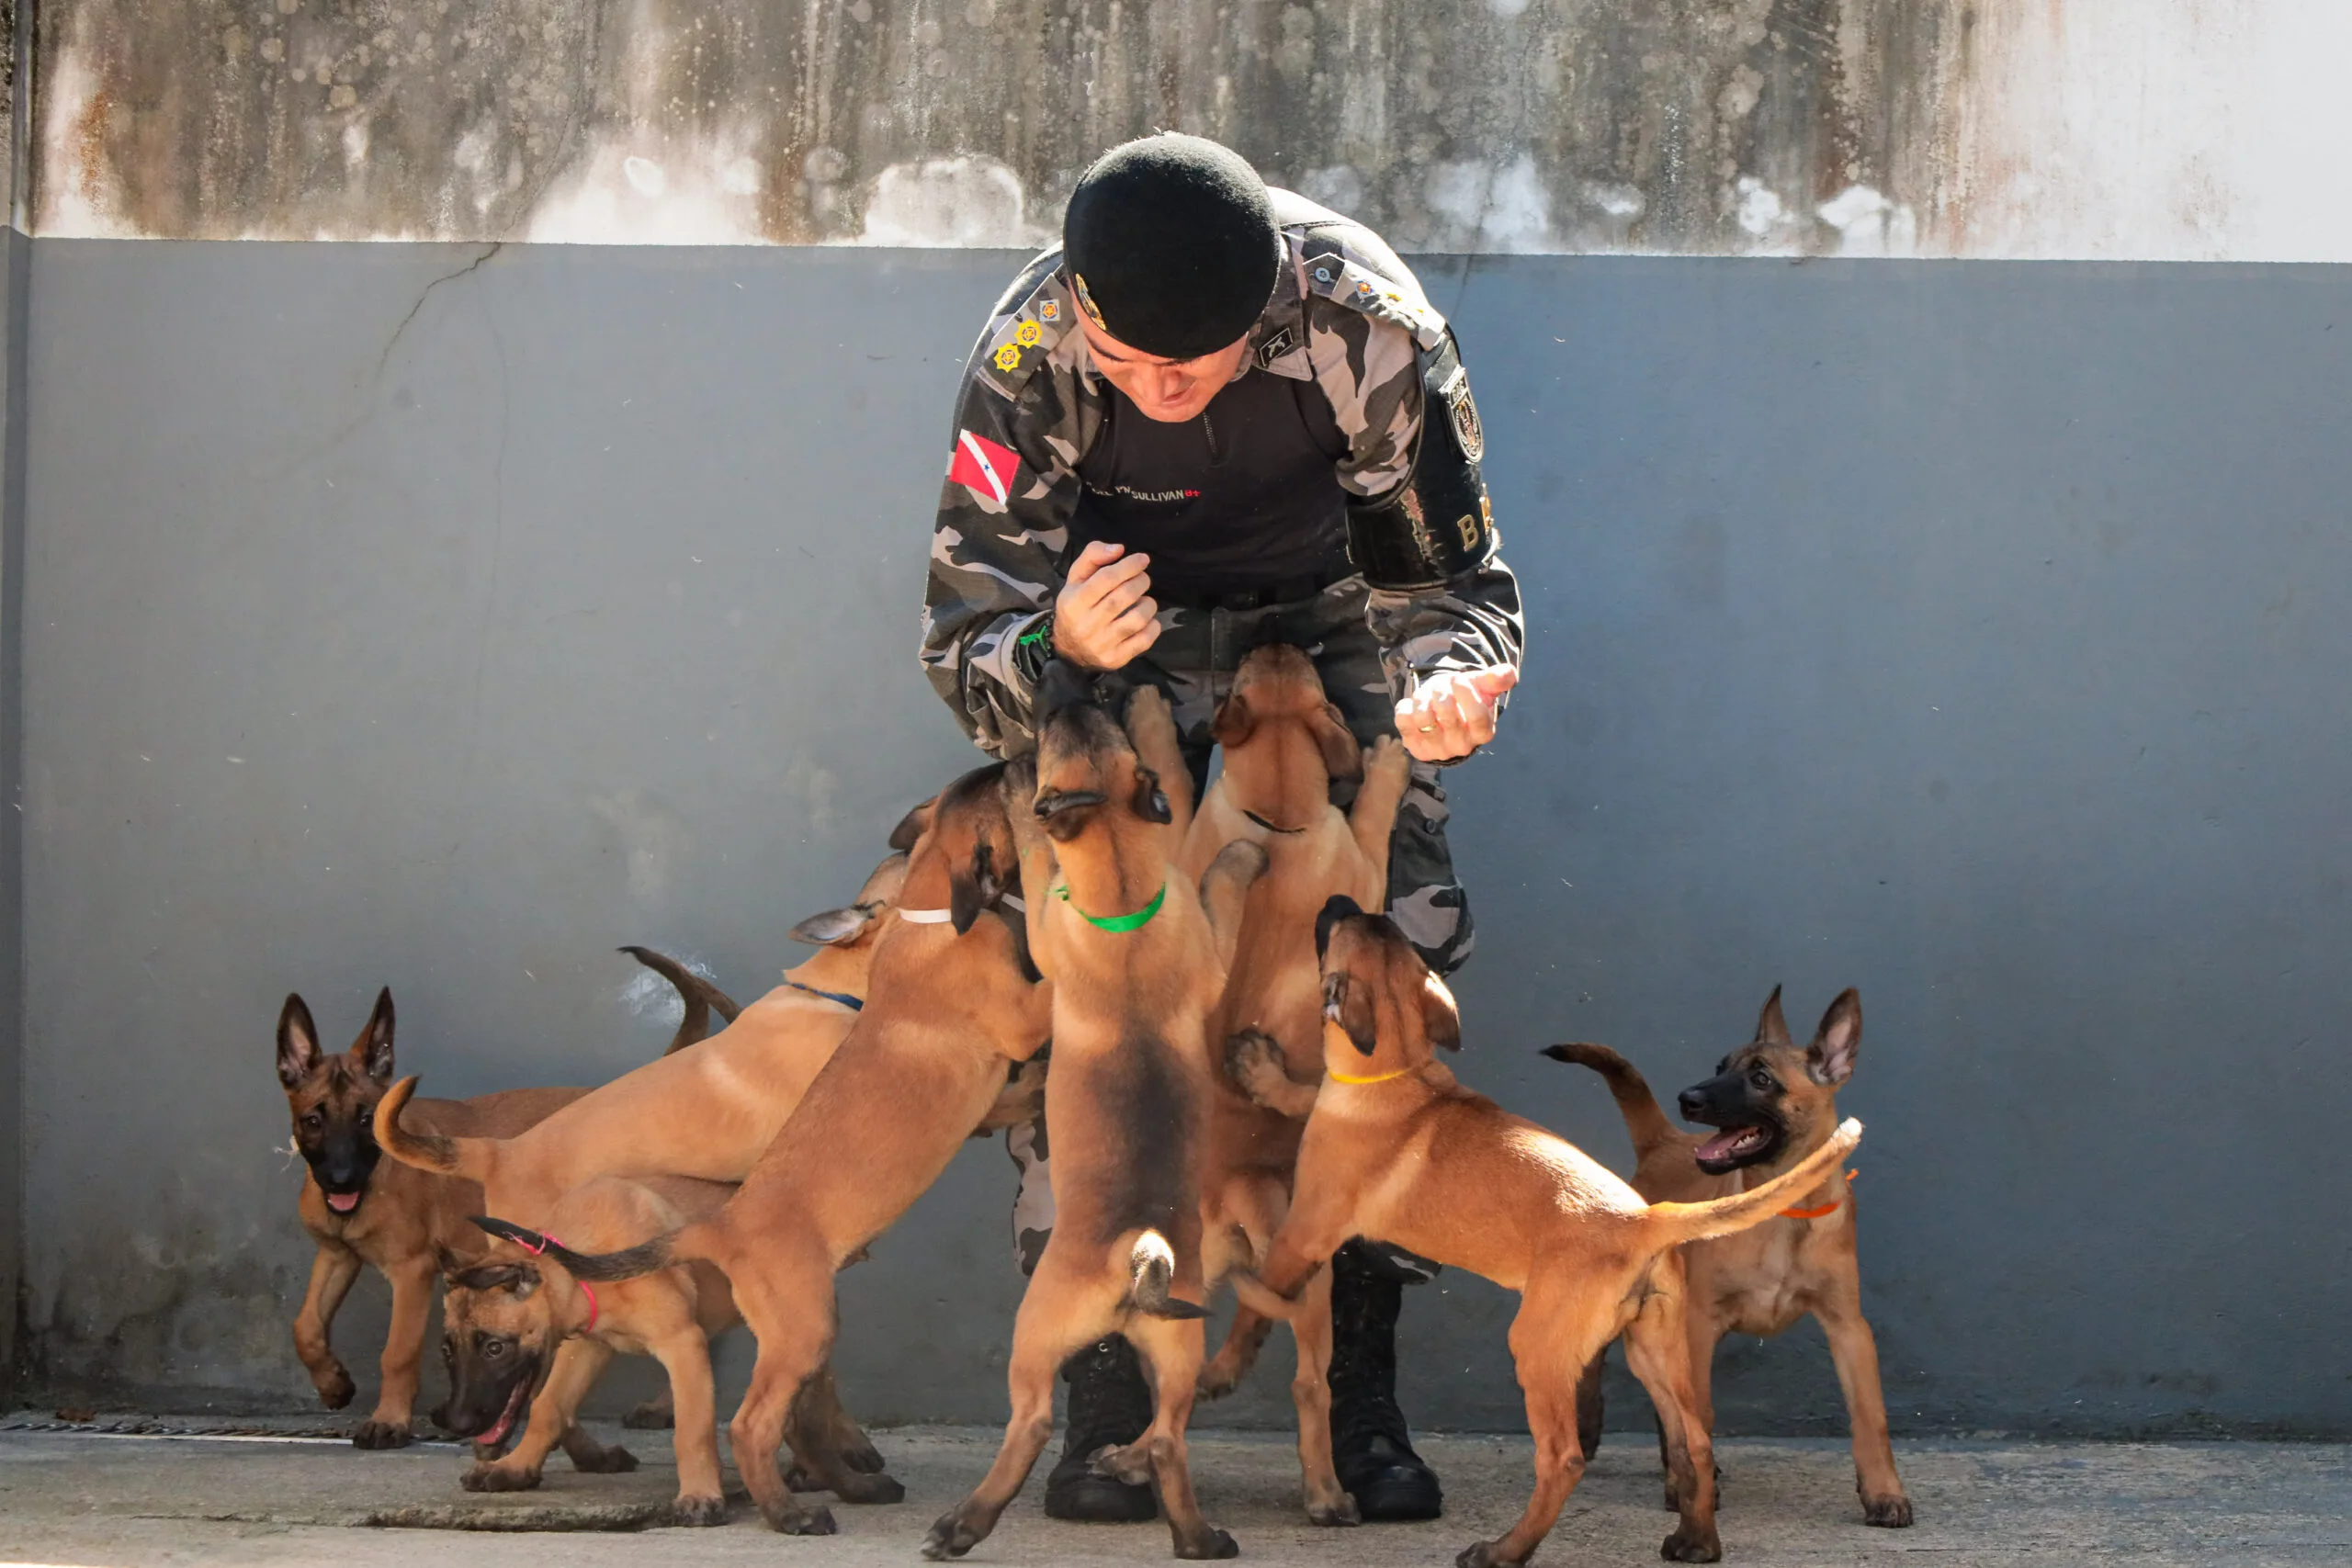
(1774, 1104)
(524, 1342)
(1397, 1150)
(362, 1210)
(953, 1002)
(1137, 954)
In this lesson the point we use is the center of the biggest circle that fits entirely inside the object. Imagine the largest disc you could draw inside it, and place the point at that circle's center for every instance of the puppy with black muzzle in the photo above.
(953, 1002)
(364, 1211)
(1137, 954)
(1398, 1151)
(1773, 1105)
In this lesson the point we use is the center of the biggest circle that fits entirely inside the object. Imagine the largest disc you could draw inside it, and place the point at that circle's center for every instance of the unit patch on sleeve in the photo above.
(984, 468)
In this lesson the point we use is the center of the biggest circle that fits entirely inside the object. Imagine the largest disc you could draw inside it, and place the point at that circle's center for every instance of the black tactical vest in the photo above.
(1244, 496)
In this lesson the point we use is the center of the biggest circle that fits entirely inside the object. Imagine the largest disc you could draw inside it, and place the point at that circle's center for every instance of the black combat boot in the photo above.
(1370, 1446)
(1109, 1407)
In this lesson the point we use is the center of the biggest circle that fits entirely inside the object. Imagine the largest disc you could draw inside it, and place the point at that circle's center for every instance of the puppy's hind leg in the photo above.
(817, 1435)
(1059, 1312)
(1327, 1502)
(1174, 1347)
(1553, 1338)
(786, 1293)
(1658, 1349)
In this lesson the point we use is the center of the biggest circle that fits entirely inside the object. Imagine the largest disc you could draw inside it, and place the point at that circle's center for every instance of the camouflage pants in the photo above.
(1193, 662)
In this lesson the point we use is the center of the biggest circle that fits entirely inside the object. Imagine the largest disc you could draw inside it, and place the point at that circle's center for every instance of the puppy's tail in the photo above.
(702, 997)
(1644, 1118)
(683, 1245)
(469, 1158)
(1151, 1268)
(1677, 1223)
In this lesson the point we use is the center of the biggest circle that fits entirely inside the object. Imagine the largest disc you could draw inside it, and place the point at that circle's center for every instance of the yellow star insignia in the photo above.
(1028, 333)
(1008, 357)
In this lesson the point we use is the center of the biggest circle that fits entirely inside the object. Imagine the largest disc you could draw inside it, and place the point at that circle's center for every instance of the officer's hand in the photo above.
(1105, 615)
(1452, 714)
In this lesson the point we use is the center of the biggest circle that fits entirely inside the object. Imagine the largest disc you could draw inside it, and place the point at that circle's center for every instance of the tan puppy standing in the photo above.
(1774, 1103)
(364, 1212)
(953, 1002)
(1137, 956)
(1396, 1150)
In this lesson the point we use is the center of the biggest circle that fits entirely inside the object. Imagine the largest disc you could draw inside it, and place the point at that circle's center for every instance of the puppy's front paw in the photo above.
(1482, 1554)
(653, 1416)
(859, 1486)
(1254, 1062)
(602, 1460)
(1887, 1513)
(800, 1520)
(335, 1388)
(500, 1478)
(698, 1511)
(1335, 1514)
(373, 1434)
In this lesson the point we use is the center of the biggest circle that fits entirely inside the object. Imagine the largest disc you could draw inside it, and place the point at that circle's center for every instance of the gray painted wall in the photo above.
(1974, 634)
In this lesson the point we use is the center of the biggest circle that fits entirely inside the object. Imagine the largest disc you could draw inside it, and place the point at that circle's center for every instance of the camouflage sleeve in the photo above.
(1363, 329)
(1022, 423)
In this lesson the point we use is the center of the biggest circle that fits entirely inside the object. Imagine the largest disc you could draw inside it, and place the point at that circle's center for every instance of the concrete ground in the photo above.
(96, 1501)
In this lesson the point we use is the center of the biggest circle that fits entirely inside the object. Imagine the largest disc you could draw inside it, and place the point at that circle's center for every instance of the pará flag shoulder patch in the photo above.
(984, 468)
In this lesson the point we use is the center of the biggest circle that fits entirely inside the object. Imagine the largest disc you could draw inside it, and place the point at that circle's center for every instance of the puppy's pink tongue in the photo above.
(1722, 1146)
(343, 1203)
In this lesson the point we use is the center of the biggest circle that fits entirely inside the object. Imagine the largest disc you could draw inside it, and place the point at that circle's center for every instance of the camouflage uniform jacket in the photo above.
(1346, 314)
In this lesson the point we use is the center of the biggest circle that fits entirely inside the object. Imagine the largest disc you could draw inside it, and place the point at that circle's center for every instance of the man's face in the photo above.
(1169, 391)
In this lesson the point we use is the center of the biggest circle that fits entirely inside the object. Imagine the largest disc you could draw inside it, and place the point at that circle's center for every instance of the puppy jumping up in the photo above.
(952, 1001)
(362, 1212)
(1284, 743)
(1773, 1105)
(1137, 955)
(1396, 1150)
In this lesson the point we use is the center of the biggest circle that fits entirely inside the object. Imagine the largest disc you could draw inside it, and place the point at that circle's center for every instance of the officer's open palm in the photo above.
(1105, 615)
(1451, 714)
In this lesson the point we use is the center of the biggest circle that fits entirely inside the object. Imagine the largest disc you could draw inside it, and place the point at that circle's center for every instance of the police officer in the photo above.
(1218, 415)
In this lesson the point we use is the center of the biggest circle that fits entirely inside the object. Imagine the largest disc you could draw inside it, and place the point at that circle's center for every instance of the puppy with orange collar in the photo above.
(1396, 1150)
(1773, 1103)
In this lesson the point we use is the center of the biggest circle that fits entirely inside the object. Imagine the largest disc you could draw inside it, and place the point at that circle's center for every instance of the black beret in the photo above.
(1172, 244)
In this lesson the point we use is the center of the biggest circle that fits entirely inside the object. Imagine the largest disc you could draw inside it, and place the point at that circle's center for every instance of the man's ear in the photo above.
(1234, 721)
(1772, 1029)
(298, 1042)
(1439, 1017)
(835, 926)
(1830, 1058)
(374, 1046)
(1350, 1006)
(1151, 801)
(1341, 757)
(911, 825)
(975, 885)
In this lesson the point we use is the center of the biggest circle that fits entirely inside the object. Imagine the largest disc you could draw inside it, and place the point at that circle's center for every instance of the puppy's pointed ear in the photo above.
(449, 1264)
(1439, 1017)
(910, 826)
(1830, 1058)
(374, 1046)
(298, 1042)
(1772, 1029)
(1151, 801)
(975, 885)
(835, 926)
(1067, 812)
(1341, 757)
(1234, 721)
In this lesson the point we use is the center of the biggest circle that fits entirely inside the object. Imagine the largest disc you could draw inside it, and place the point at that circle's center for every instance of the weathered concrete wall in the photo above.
(2192, 129)
(1970, 634)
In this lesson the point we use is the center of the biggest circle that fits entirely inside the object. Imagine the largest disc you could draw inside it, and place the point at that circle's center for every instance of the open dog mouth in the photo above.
(1736, 1146)
(343, 1203)
(517, 1401)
